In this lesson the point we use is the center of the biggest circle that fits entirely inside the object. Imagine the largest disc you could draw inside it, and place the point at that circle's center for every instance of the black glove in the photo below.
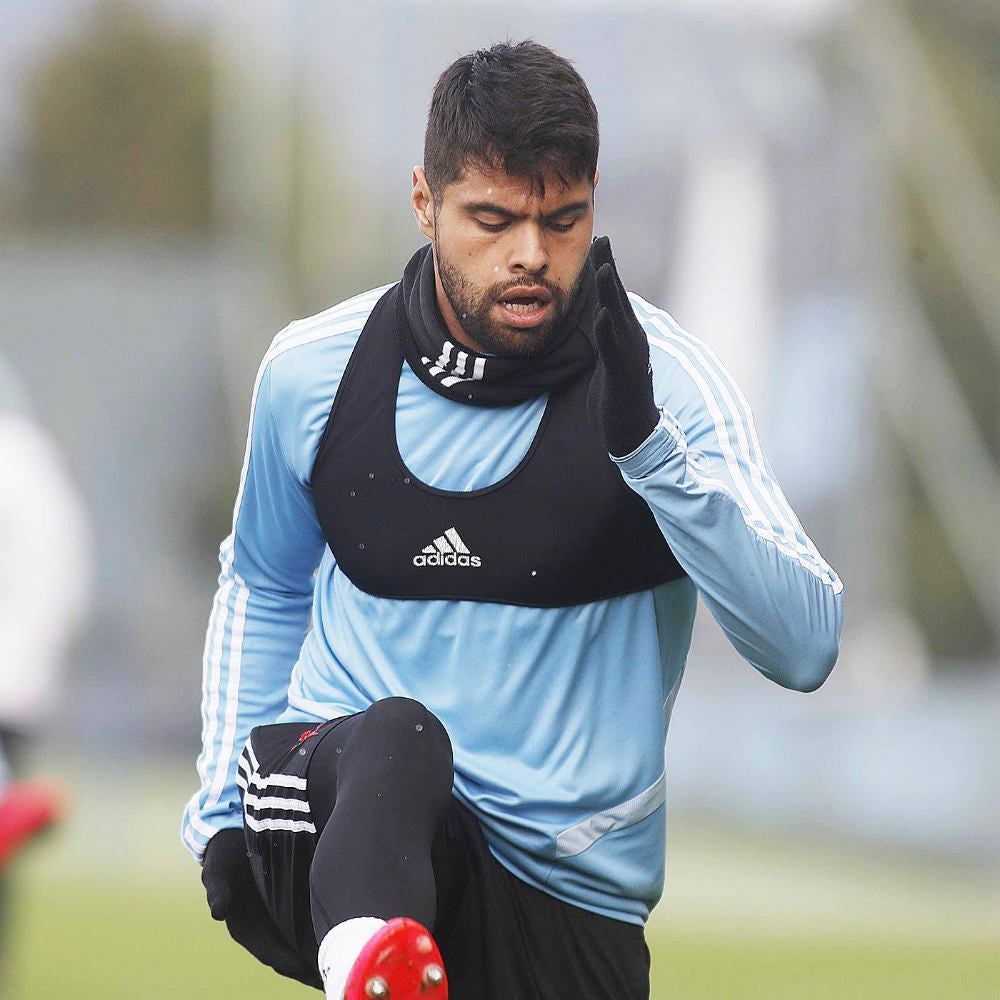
(620, 400)
(234, 898)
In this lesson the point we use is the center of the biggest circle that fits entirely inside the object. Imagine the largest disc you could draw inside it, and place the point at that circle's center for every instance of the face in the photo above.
(508, 262)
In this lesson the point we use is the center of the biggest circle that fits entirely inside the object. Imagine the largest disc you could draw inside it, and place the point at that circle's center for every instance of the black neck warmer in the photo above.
(465, 375)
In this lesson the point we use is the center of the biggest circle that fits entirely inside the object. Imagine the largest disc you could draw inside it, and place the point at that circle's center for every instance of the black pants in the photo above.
(14, 743)
(356, 818)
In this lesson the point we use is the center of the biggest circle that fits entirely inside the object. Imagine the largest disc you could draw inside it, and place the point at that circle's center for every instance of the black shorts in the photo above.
(501, 938)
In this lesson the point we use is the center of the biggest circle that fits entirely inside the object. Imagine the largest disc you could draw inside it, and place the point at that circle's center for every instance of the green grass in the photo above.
(120, 915)
(703, 966)
(124, 942)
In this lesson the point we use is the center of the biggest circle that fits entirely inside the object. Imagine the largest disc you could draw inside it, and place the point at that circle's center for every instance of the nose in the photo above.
(528, 252)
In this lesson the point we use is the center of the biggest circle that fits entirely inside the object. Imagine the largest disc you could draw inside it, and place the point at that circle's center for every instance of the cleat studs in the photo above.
(377, 988)
(424, 944)
(433, 976)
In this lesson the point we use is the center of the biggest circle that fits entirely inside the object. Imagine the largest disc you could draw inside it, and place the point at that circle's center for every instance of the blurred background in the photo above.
(810, 186)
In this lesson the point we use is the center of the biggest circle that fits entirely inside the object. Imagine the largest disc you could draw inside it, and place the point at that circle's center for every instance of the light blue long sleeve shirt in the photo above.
(558, 717)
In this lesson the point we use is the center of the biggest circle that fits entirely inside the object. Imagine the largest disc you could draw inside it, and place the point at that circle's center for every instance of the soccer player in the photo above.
(476, 510)
(44, 534)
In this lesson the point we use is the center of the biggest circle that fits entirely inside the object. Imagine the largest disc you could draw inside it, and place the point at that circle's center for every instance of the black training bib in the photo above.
(561, 529)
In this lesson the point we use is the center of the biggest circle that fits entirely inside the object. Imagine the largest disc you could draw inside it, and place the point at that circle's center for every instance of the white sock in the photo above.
(339, 950)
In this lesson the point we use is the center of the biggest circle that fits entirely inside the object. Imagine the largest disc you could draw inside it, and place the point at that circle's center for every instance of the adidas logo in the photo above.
(447, 550)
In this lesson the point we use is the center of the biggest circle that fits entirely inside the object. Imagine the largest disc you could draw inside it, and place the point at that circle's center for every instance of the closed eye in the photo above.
(565, 219)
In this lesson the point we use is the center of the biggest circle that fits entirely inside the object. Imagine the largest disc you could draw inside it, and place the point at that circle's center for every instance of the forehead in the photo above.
(516, 192)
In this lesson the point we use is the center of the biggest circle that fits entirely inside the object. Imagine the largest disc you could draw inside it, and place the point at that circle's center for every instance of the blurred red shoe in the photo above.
(401, 962)
(26, 809)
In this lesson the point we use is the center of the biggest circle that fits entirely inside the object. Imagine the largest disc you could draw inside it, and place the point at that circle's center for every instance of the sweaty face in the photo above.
(508, 260)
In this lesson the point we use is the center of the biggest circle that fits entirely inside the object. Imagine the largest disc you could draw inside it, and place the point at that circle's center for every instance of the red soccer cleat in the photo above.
(26, 809)
(401, 962)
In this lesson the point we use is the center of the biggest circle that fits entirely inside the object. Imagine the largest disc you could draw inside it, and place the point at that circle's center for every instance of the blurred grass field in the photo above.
(110, 907)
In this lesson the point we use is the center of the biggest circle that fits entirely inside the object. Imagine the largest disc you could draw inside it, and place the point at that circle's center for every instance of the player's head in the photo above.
(519, 108)
(506, 194)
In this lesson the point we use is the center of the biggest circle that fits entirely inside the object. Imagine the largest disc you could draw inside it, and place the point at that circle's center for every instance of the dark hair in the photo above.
(514, 107)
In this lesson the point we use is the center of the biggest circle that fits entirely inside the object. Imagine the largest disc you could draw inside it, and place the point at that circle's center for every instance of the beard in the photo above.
(473, 307)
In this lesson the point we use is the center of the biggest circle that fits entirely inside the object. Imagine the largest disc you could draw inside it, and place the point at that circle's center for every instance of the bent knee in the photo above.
(410, 726)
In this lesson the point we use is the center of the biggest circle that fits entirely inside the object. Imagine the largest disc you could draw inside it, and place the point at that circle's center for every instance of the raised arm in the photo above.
(684, 437)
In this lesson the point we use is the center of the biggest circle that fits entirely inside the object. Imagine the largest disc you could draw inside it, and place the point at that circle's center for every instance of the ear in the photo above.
(422, 203)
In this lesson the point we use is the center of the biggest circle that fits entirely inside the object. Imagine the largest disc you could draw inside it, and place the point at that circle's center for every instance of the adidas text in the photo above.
(447, 550)
(447, 559)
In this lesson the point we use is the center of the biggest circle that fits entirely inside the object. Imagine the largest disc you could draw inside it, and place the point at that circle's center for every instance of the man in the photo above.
(458, 624)
(43, 531)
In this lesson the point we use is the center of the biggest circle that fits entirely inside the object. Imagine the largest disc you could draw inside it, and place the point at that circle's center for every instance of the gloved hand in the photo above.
(620, 399)
(234, 898)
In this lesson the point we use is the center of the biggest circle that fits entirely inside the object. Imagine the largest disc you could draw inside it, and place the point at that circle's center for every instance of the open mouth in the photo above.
(525, 302)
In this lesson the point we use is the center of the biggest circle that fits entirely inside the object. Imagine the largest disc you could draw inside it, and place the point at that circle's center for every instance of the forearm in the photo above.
(778, 601)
